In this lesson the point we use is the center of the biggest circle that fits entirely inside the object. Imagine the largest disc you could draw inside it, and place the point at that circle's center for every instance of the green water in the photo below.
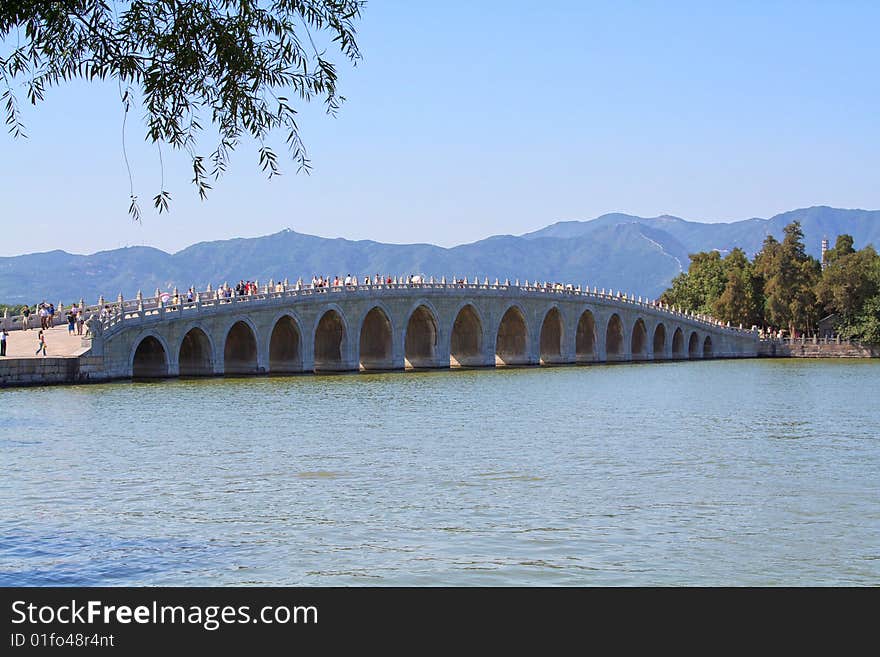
(758, 472)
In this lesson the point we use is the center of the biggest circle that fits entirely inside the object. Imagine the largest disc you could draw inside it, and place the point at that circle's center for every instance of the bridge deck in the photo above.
(59, 344)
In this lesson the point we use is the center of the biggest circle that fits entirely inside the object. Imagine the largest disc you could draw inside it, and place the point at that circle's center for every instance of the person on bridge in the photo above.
(3, 335)
(41, 344)
(25, 318)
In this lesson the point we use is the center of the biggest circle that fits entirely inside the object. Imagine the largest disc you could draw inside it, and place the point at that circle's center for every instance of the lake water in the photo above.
(757, 472)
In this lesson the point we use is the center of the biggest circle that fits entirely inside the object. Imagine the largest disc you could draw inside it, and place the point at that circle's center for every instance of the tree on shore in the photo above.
(850, 288)
(785, 287)
(699, 287)
(741, 302)
(233, 63)
(790, 276)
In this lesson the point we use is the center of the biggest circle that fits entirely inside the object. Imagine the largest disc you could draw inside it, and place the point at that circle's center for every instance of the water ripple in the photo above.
(740, 473)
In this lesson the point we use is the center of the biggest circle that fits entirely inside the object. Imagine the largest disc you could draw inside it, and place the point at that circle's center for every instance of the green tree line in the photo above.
(786, 288)
(12, 309)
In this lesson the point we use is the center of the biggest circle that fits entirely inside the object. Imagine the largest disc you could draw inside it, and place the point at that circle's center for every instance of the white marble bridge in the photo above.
(290, 329)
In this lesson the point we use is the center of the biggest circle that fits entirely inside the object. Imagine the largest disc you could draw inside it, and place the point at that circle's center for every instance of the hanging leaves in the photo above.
(233, 62)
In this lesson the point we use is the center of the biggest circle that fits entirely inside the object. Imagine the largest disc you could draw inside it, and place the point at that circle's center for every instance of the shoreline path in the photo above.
(59, 344)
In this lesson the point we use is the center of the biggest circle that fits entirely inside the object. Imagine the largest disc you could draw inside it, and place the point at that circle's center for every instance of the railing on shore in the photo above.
(112, 314)
(836, 339)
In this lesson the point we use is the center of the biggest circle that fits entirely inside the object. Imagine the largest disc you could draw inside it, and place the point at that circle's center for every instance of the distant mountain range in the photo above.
(619, 251)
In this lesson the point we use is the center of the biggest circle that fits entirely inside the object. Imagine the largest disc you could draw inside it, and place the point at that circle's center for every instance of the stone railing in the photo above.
(810, 340)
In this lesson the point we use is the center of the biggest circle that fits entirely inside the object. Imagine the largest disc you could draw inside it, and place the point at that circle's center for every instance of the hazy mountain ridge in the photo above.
(619, 251)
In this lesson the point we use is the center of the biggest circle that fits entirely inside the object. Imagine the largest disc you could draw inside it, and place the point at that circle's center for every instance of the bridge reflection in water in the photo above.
(398, 326)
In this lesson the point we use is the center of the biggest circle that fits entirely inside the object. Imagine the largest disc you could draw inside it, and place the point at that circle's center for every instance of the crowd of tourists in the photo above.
(245, 288)
(348, 280)
(46, 313)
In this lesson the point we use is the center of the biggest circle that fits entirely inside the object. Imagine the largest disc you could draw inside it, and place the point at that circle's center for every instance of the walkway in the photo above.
(23, 344)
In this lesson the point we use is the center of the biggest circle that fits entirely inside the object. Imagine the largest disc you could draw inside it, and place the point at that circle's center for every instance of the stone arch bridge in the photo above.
(395, 327)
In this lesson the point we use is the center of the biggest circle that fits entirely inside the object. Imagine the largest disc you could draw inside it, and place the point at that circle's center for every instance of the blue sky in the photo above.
(468, 119)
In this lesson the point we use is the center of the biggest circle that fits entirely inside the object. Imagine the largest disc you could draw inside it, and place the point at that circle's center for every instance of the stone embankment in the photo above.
(816, 348)
(65, 360)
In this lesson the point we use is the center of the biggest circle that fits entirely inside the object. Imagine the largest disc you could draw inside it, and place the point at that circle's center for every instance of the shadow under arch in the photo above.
(376, 341)
(150, 360)
(420, 342)
(466, 339)
(552, 333)
(240, 350)
(196, 354)
(512, 339)
(585, 338)
(678, 350)
(285, 347)
(330, 342)
(639, 340)
(659, 342)
(614, 338)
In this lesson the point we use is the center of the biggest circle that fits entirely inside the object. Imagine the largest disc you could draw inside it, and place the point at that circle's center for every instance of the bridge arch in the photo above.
(285, 346)
(330, 339)
(376, 343)
(149, 357)
(639, 340)
(551, 337)
(659, 341)
(466, 338)
(678, 350)
(694, 350)
(614, 338)
(240, 355)
(422, 339)
(585, 338)
(707, 347)
(512, 338)
(195, 357)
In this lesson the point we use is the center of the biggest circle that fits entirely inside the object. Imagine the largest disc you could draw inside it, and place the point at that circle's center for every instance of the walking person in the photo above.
(25, 318)
(3, 335)
(41, 344)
